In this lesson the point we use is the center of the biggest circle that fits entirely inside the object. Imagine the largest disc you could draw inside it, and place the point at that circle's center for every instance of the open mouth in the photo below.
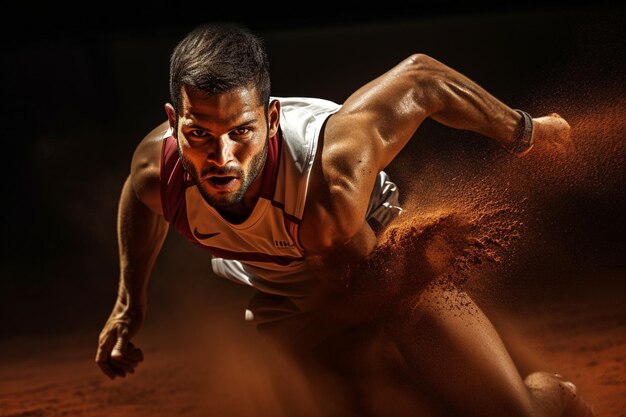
(222, 183)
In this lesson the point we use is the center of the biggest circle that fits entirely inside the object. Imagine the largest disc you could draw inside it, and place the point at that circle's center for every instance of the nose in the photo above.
(222, 151)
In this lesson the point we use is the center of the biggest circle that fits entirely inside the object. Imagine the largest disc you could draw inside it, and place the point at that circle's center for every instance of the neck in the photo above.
(237, 213)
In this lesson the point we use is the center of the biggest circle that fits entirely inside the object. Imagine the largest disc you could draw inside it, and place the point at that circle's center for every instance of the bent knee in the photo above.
(552, 393)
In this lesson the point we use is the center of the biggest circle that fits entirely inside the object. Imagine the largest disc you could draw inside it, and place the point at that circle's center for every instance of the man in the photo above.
(289, 194)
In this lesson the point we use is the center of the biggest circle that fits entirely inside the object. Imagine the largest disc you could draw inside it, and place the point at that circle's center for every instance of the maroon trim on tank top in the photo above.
(252, 256)
(165, 175)
(270, 171)
(270, 195)
(286, 215)
(173, 188)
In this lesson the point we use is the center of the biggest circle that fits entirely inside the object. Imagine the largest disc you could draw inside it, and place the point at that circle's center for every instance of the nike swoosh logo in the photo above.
(203, 236)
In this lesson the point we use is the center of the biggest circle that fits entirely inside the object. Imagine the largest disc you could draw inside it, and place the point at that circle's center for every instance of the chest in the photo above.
(267, 231)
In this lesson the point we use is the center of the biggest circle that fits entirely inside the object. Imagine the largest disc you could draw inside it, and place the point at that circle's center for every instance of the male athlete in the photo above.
(287, 193)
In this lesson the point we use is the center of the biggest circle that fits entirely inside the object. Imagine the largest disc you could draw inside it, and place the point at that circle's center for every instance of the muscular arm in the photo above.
(141, 227)
(395, 104)
(141, 232)
(377, 121)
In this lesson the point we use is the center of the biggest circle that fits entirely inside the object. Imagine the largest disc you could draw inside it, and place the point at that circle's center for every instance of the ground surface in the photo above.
(227, 372)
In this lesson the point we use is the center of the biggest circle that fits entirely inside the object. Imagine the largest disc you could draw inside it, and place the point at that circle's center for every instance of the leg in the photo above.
(447, 341)
(349, 369)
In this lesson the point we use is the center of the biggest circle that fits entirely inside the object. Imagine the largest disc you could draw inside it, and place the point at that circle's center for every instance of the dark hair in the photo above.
(215, 58)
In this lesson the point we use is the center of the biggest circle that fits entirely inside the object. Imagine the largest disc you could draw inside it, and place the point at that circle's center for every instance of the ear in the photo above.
(273, 117)
(171, 118)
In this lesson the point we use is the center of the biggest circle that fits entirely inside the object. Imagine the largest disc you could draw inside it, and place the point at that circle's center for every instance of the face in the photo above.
(222, 140)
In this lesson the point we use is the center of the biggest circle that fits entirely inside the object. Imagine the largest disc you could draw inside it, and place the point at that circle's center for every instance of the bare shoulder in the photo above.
(341, 181)
(146, 168)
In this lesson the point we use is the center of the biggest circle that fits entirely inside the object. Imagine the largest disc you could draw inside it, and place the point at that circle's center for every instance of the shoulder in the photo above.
(310, 104)
(145, 170)
(341, 182)
(300, 117)
(342, 136)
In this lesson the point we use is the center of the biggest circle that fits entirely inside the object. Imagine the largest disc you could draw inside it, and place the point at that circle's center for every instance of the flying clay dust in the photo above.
(472, 222)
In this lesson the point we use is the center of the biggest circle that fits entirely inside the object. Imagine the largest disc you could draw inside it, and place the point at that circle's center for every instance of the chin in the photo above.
(222, 200)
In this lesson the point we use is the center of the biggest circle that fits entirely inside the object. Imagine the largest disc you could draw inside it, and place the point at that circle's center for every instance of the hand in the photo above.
(116, 355)
(552, 137)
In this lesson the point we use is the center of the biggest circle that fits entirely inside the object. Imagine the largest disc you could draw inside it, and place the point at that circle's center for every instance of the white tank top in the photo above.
(264, 250)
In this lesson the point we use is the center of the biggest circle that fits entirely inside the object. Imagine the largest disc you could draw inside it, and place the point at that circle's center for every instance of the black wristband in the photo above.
(523, 135)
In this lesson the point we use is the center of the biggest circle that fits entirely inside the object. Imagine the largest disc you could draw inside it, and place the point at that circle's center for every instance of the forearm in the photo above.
(463, 104)
(141, 234)
(397, 103)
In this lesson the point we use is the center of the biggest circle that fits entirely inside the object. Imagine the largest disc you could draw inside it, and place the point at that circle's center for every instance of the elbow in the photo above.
(422, 64)
(419, 59)
(344, 226)
(428, 78)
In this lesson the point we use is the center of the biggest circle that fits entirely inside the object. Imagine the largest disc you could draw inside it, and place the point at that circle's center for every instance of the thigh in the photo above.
(450, 344)
(352, 369)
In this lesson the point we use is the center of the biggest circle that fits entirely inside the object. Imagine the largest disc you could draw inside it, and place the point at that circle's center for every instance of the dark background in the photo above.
(79, 92)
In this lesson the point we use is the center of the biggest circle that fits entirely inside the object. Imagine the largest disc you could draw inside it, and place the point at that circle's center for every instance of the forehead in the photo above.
(228, 106)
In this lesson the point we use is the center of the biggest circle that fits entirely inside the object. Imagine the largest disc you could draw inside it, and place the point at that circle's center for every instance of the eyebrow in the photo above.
(190, 123)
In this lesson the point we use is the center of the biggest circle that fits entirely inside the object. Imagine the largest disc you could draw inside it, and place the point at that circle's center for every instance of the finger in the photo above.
(120, 344)
(134, 353)
(105, 344)
(102, 356)
(107, 369)
(121, 369)
(111, 368)
(129, 360)
(123, 363)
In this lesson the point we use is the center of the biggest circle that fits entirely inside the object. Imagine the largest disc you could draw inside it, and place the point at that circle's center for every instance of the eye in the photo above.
(241, 131)
(198, 133)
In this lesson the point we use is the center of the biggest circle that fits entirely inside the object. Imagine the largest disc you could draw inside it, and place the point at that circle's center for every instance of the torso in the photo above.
(291, 239)
(267, 241)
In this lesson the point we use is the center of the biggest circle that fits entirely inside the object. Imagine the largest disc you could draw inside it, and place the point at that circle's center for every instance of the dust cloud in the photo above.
(466, 223)
(471, 221)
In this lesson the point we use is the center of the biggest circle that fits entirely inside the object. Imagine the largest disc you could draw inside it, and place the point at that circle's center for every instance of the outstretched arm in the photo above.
(141, 232)
(396, 103)
(379, 119)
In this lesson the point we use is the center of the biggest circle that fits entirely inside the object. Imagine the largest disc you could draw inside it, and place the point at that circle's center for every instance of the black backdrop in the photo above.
(80, 92)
